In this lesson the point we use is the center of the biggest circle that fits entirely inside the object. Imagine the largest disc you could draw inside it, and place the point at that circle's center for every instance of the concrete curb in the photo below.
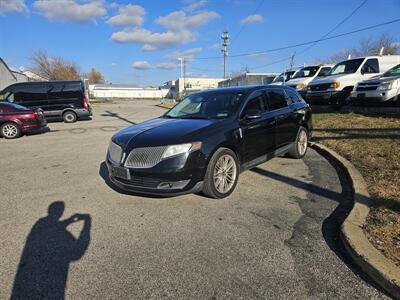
(371, 261)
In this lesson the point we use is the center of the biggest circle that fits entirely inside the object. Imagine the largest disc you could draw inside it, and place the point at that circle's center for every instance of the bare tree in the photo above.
(94, 76)
(366, 47)
(54, 68)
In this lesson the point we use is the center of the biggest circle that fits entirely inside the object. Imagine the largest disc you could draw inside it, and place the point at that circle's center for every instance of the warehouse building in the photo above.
(248, 79)
(122, 91)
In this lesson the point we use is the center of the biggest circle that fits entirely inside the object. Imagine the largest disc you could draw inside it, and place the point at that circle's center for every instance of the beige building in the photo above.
(189, 85)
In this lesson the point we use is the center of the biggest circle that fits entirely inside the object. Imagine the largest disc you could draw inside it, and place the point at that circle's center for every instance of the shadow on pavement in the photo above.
(49, 249)
(115, 115)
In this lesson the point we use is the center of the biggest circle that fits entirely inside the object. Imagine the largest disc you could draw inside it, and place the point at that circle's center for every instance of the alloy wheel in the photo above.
(302, 142)
(225, 172)
(10, 131)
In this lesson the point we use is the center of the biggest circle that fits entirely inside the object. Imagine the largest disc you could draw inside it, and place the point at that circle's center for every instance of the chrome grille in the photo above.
(115, 152)
(145, 157)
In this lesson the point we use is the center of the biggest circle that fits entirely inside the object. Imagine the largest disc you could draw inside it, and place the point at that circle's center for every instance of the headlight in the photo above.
(181, 149)
(115, 152)
(334, 85)
(385, 86)
(301, 86)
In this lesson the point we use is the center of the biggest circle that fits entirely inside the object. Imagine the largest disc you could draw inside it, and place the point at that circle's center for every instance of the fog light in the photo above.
(173, 185)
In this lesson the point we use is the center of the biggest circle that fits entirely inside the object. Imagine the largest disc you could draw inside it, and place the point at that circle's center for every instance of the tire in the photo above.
(10, 130)
(69, 117)
(210, 185)
(301, 144)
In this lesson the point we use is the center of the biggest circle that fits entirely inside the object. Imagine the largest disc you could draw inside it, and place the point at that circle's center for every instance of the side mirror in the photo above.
(362, 71)
(253, 114)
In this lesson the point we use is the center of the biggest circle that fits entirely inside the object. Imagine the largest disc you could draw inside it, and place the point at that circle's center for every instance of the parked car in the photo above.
(384, 89)
(206, 140)
(304, 76)
(16, 120)
(344, 76)
(58, 99)
(282, 78)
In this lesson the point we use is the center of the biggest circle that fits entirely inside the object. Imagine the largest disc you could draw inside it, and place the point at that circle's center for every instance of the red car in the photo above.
(16, 120)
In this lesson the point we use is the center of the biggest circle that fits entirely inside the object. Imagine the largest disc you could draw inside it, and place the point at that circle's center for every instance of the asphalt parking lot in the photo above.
(275, 237)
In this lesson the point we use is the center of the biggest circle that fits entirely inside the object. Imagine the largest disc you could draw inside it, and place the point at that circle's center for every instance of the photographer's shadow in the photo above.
(48, 251)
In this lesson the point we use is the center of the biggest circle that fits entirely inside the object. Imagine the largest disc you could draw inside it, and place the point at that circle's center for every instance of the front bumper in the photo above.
(371, 97)
(166, 180)
(323, 97)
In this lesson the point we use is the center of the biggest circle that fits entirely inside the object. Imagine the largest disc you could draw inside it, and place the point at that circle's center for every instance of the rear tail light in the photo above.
(85, 103)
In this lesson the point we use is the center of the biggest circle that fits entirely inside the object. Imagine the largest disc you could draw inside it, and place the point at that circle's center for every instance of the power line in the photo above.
(244, 24)
(305, 43)
(336, 27)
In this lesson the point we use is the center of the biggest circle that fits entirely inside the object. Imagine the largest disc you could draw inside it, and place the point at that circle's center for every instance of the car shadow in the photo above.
(49, 249)
(331, 225)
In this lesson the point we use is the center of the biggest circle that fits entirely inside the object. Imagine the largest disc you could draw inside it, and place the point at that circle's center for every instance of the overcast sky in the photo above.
(139, 42)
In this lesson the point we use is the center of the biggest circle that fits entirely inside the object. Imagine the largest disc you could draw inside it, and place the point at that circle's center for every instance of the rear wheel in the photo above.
(69, 117)
(222, 174)
(301, 144)
(10, 130)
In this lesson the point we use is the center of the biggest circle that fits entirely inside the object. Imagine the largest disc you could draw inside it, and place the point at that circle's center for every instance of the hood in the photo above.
(330, 78)
(381, 79)
(297, 81)
(160, 132)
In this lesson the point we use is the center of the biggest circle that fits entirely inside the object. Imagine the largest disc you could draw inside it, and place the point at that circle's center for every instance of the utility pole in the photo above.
(225, 43)
(183, 73)
(292, 60)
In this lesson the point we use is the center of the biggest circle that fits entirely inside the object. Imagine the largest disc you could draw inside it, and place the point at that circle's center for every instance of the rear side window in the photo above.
(256, 102)
(276, 99)
(72, 91)
(55, 91)
(370, 66)
(29, 93)
(292, 96)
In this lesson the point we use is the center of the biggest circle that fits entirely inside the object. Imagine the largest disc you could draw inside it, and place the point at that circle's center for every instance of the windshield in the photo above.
(347, 67)
(285, 75)
(207, 106)
(395, 71)
(305, 72)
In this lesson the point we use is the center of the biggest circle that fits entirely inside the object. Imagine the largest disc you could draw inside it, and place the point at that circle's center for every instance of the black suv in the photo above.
(58, 99)
(205, 141)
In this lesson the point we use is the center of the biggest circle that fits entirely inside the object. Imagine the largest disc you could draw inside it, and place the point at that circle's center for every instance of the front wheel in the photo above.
(10, 130)
(301, 144)
(222, 174)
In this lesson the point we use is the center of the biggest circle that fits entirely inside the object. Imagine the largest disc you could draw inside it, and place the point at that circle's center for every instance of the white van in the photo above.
(379, 89)
(282, 78)
(344, 76)
(304, 76)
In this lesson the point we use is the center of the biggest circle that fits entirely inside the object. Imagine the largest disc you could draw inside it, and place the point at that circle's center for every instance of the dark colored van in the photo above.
(58, 99)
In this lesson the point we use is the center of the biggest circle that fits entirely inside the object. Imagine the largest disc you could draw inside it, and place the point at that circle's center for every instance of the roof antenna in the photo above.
(381, 52)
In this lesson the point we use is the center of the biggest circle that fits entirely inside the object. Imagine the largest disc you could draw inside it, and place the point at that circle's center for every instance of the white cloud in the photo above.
(141, 65)
(180, 29)
(252, 19)
(215, 46)
(152, 40)
(194, 5)
(113, 65)
(71, 10)
(167, 66)
(128, 15)
(188, 54)
(178, 20)
(18, 6)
